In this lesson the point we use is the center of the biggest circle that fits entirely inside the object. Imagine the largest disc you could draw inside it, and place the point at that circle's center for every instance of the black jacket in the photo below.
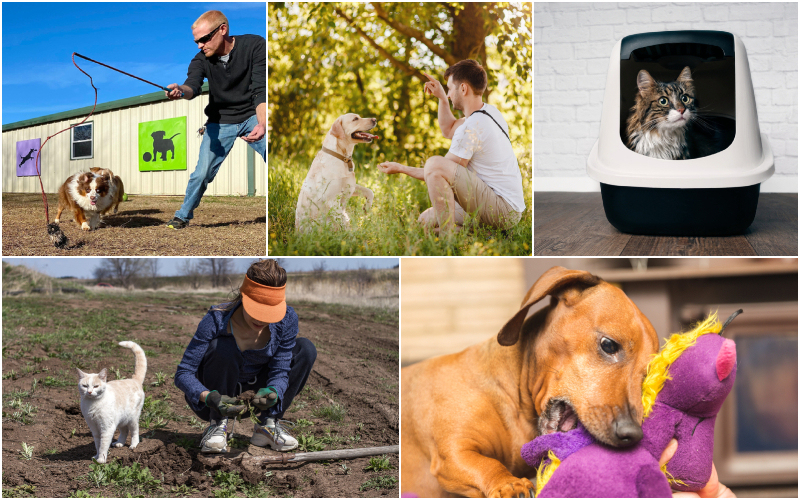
(235, 90)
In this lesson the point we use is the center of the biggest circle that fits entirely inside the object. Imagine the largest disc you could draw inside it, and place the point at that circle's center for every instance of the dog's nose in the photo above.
(627, 431)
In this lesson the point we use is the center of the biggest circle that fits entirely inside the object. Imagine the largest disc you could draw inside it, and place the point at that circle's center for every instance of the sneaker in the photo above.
(215, 437)
(177, 223)
(274, 435)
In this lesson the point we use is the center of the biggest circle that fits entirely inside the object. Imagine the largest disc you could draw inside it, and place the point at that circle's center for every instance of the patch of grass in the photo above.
(378, 464)
(391, 227)
(379, 483)
(235, 442)
(197, 424)
(302, 423)
(82, 494)
(330, 438)
(156, 413)
(51, 381)
(161, 377)
(228, 482)
(183, 491)
(10, 375)
(333, 412)
(307, 442)
(24, 411)
(27, 451)
(132, 480)
(259, 490)
(16, 394)
(21, 491)
(186, 442)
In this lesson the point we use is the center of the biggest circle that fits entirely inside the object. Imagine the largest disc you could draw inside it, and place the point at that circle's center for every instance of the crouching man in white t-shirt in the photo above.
(480, 173)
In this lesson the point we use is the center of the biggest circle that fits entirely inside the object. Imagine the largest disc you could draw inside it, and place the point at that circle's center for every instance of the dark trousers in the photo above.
(223, 362)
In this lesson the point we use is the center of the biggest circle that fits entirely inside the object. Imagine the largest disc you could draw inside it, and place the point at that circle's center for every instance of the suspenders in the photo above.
(495, 121)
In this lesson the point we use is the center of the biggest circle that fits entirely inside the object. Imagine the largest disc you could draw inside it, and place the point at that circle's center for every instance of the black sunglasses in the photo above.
(205, 39)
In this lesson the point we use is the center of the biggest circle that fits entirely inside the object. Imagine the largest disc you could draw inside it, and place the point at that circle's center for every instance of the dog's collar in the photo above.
(348, 160)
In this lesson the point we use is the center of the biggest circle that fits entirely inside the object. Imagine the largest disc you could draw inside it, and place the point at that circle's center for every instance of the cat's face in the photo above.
(92, 385)
(667, 106)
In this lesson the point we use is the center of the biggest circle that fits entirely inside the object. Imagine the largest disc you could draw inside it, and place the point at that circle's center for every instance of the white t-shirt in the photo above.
(490, 154)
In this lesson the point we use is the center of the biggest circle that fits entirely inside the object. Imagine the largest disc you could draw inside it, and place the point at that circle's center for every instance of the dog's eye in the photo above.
(609, 346)
(356, 118)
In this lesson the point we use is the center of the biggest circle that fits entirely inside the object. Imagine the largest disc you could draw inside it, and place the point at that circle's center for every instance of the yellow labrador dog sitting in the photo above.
(331, 179)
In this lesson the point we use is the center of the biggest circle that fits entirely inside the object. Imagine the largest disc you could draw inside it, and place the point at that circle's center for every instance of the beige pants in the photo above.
(474, 196)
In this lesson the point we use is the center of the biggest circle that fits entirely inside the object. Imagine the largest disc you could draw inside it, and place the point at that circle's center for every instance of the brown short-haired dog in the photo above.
(465, 416)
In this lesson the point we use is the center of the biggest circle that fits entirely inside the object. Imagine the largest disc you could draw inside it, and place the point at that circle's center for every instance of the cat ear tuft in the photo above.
(80, 373)
(686, 75)
(644, 81)
(103, 374)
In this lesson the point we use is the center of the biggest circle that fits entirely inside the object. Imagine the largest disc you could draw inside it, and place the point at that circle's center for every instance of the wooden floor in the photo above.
(575, 224)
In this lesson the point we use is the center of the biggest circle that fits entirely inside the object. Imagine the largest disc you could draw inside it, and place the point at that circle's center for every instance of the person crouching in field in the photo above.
(479, 174)
(249, 344)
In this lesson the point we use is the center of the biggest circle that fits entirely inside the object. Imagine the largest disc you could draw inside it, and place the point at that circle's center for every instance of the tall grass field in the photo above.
(391, 227)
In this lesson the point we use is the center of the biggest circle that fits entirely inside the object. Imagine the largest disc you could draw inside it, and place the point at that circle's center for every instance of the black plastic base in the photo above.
(680, 212)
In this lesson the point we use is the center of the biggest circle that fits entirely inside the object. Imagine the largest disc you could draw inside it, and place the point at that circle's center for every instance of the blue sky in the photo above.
(150, 40)
(83, 267)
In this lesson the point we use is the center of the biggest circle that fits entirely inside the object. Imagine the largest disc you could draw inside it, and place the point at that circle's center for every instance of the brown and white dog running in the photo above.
(118, 193)
(89, 195)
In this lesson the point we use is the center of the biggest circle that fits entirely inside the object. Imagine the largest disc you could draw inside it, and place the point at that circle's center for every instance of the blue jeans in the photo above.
(217, 143)
(219, 371)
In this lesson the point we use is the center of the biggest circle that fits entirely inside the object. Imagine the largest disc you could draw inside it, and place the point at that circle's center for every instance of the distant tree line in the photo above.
(144, 273)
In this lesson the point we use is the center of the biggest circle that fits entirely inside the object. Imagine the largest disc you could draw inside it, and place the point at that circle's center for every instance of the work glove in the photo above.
(225, 405)
(265, 398)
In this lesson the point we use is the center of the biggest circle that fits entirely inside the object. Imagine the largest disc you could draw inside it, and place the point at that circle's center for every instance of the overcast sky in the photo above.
(83, 267)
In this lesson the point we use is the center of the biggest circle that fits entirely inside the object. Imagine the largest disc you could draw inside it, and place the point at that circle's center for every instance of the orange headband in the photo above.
(264, 303)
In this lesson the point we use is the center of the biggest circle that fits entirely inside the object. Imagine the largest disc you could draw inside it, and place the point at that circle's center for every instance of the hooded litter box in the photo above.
(711, 195)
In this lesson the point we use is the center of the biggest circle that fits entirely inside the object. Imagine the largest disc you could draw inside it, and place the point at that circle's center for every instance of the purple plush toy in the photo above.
(685, 386)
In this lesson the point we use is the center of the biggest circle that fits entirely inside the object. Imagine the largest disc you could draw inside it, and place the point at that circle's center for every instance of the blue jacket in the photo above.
(276, 355)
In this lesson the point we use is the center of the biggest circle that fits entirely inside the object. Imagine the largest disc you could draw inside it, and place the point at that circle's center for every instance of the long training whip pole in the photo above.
(124, 73)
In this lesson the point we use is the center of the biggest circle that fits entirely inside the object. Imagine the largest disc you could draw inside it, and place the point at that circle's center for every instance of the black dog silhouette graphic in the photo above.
(161, 145)
(25, 158)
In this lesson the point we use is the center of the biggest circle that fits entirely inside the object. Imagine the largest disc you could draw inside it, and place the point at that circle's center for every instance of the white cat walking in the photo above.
(108, 406)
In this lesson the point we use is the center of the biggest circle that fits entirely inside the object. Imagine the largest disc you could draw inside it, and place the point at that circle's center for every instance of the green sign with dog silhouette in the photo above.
(162, 144)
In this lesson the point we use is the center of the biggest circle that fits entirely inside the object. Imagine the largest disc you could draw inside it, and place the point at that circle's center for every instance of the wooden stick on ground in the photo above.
(317, 456)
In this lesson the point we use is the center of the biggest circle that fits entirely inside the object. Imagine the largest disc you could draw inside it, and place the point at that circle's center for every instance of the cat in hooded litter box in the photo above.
(108, 406)
(662, 123)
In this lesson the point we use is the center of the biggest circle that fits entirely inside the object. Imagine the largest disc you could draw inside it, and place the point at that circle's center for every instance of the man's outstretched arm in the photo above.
(390, 167)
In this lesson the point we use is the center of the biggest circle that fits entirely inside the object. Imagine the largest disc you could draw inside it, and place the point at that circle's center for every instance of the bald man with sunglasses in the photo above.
(236, 70)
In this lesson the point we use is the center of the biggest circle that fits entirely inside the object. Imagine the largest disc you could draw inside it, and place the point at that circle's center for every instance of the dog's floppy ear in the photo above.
(337, 130)
(553, 279)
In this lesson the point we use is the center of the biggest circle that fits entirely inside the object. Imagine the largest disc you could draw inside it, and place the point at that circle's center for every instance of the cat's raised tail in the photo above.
(141, 361)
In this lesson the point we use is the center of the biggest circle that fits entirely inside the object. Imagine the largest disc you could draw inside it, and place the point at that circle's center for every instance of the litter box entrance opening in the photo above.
(710, 57)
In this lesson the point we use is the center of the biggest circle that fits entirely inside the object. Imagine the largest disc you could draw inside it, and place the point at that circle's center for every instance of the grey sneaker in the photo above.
(177, 223)
(215, 437)
(274, 434)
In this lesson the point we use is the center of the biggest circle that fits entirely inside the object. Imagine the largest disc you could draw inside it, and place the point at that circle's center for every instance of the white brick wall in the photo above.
(572, 44)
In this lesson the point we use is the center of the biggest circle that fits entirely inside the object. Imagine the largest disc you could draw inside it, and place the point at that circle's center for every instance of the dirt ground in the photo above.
(46, 337)
(221, 226)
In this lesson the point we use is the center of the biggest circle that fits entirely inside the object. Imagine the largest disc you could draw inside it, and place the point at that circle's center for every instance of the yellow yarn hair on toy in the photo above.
(670, 478)
(658, 368)
(545, 472)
